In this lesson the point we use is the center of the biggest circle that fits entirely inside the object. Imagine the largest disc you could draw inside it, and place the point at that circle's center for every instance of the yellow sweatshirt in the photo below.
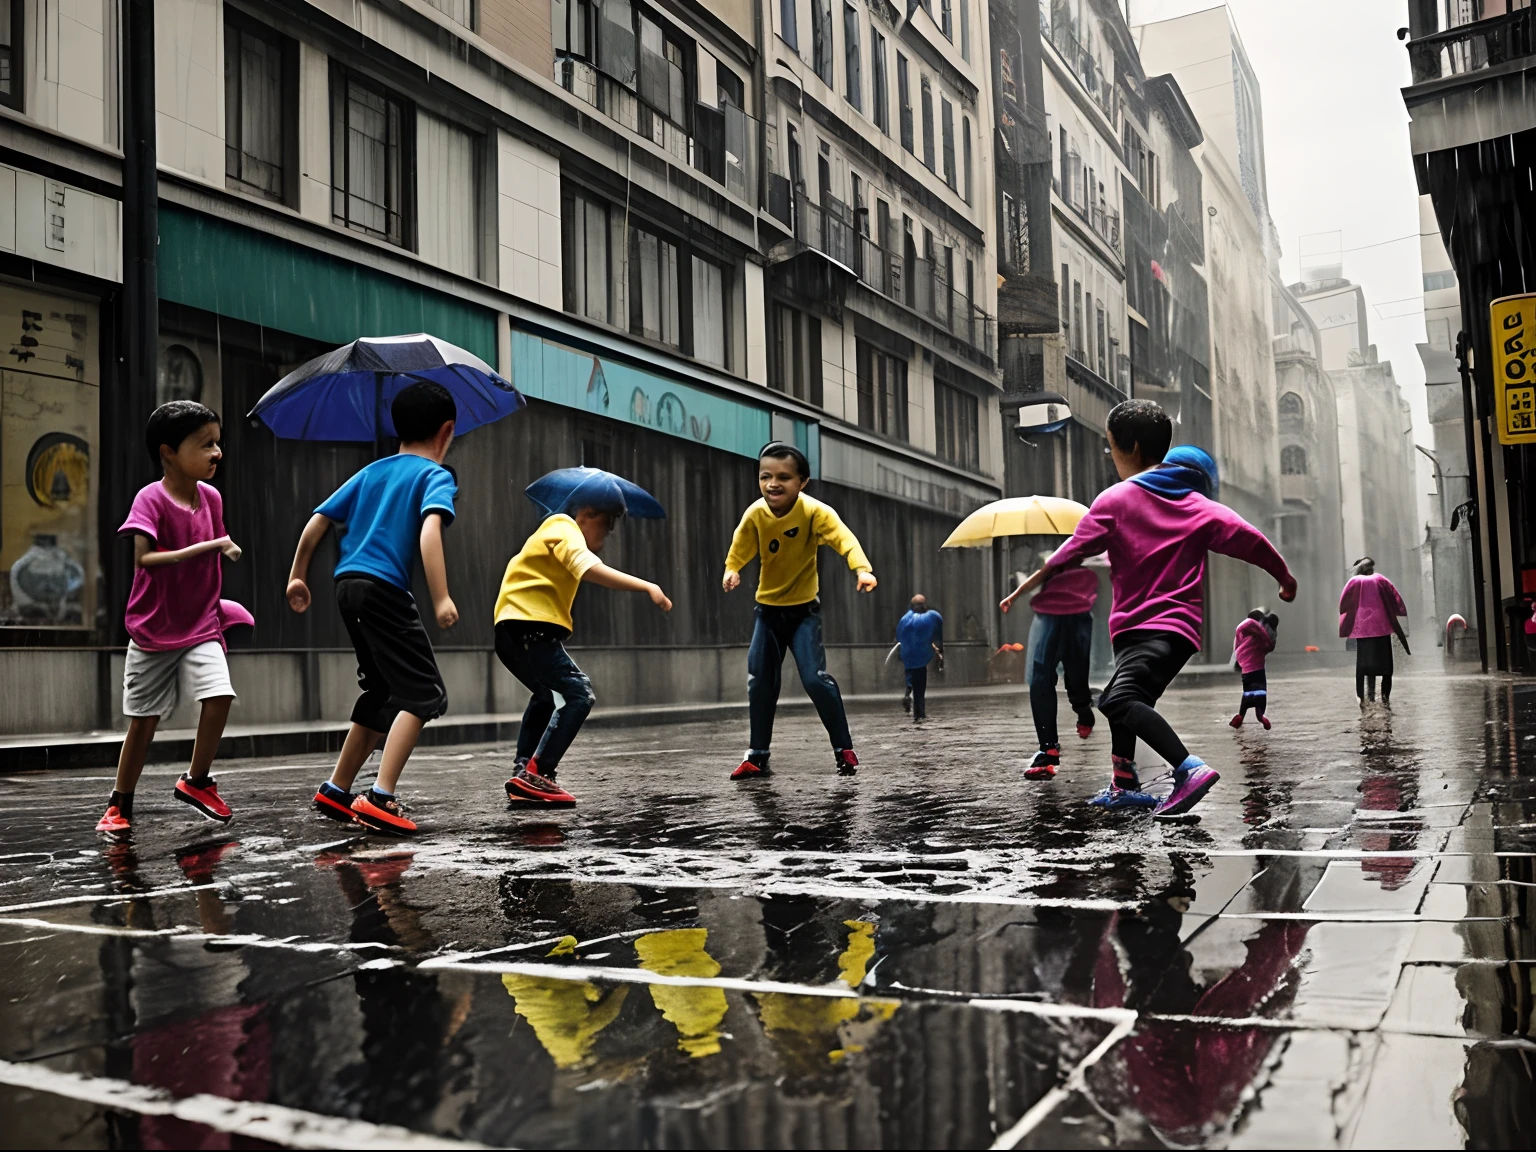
(787, 545)
(541, 581)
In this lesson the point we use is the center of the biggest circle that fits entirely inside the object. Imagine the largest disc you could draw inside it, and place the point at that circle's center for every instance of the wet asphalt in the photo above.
(933, 953)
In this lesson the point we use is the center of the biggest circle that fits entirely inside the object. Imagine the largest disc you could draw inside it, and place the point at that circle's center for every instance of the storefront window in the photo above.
(49, 405)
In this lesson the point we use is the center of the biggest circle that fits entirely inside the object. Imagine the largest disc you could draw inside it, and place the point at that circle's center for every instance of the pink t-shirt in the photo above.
(177, 605)
(1070, 592)
(1367, 606)
(1252, 644)
(1157, 548)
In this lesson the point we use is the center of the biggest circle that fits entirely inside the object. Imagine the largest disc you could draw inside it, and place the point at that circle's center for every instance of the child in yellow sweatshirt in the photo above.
(533, 619)
(785, 528)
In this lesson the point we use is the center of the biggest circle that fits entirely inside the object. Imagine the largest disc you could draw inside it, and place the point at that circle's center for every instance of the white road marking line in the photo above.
(108, 897)
(612, 975)
(1053, 1099)
(290, 1127)
(244, 940)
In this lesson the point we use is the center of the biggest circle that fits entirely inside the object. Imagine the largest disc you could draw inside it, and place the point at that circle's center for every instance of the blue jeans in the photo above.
(535, 655)
(1066, 641)
(775, 632)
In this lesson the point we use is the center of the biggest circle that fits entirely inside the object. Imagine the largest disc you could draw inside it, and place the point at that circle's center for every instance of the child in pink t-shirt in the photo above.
(175, 619)
(1253, 641)
(1158, 525)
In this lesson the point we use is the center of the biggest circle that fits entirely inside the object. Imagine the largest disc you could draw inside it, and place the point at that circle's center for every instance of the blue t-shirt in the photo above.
(917, 632)
(382, 508)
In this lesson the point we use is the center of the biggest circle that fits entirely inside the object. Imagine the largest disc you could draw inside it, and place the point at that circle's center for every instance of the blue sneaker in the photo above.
(1115, 798)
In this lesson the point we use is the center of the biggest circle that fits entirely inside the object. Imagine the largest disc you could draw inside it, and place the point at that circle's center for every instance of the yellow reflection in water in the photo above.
(696, 1013)
(566, 1015)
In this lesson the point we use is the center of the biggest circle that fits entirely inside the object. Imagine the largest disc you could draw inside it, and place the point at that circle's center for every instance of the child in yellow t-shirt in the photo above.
(533, 618)
(785, 528)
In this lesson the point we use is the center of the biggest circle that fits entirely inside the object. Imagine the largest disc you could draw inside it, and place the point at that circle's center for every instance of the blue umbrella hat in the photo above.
(569, 490)
(346, 394)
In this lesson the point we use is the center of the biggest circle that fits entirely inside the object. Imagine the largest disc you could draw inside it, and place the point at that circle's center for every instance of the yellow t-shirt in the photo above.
(541, 581)
(787, 545)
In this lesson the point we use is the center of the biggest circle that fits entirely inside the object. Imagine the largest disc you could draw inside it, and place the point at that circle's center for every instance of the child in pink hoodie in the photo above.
(1157, 524)
(1255, 640)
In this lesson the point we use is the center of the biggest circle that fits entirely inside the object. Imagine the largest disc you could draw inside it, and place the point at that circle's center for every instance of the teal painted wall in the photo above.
(235, 271)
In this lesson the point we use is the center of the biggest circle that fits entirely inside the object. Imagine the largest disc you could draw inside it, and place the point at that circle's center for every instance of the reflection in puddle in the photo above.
(695, 1012)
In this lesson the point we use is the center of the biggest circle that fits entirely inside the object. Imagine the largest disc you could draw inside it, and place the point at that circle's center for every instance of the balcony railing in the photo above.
(1473, 47)
(913, 282)
(1063, 36)
(1104, 221)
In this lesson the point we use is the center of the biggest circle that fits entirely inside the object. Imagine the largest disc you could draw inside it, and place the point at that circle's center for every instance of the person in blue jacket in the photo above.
(920, 635)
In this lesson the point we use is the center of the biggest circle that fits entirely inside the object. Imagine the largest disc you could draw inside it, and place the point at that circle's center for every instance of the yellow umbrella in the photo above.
(1017, 516)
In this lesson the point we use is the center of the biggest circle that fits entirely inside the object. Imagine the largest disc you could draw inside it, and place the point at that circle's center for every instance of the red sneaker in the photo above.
(1044, 765)
(528, 785)
(750, 769)
(204, 796)
(113, 821)
(334, 802)
(1237, 721)
(381, 815)
(847, 762)
(1084, 731)
(1264, 720)
(197, 864)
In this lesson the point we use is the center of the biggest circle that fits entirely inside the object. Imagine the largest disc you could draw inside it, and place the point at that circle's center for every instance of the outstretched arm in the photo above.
(743, 548)
(145, 556)
(309, 540)
(435, 568)
(831, 531)
(606, 577)
(1233, 536)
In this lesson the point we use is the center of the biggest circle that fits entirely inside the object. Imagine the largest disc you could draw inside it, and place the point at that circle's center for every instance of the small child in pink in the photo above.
(1255, 639)
(1158, 525)
(175, 619)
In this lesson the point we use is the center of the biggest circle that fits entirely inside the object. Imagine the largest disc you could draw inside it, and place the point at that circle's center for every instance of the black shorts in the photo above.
(396, 669)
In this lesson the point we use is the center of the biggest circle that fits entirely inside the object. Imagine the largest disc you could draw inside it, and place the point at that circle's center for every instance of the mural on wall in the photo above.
(49, 407)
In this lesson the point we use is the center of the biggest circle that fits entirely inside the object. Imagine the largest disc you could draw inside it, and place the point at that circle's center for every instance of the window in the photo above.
(947, 124)
(448, 232)
(947, 19)
(904, 102)
(956, 432)
(370, 159)
(851, 58)
(1076, 347)
(795, 367)
(787, 27)
(1016, 234)
(881, 95)
(459, 11)
(571, 22)
(1066, 303)
(653, 299)
(663, 73)
(709, 312)
(821, 39)
(260, 123)
(1104, 368)
(1434, 281)
(586, 245)
(965, 159)
(928, 142)
(12, 41)
(1293, 460)
(1005, 70)
(882, 383)
(965, 31)
(616, 41)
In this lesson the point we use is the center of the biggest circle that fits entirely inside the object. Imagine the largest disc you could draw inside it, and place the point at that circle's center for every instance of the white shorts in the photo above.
(153, 681)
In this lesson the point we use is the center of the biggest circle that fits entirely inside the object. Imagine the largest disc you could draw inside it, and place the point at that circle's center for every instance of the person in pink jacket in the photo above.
(1368, 610)
(1158, 525)
(1254, 641)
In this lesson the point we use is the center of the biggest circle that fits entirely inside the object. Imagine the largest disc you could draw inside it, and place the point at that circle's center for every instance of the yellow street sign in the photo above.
(1512, 323)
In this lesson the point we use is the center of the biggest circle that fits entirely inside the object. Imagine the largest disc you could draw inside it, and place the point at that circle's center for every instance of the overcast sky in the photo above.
(1331, 74)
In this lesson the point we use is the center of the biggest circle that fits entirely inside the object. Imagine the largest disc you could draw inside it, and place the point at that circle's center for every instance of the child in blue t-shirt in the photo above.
(388, 513)
(920, 635)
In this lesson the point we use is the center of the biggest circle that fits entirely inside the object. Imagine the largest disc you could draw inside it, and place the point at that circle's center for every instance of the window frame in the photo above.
(238, 24)
(823, 42)
(904, 104)
(880, 81)
(882, 383)
(341, 77)
(853, 71)
(805, 352)
(930, 153)
(789, 23)
(17, 97)
(670, 37)
(574, 200)
(947, 131)
(587, 13)
(956, 426)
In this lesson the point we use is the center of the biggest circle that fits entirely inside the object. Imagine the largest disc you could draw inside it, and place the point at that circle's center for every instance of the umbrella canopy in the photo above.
(1017, 516)
(346, 394)
(570, 489)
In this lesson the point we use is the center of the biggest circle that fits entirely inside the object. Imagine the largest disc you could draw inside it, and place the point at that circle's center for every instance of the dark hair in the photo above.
(778, 450)
(172, 423)
(614, 511)
(1257, 614)
(420, 410)
(1365, 566)
(1273, 620)
(1141, 425)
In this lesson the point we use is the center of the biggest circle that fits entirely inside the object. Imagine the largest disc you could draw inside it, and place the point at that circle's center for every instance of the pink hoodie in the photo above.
(1253, 642)
(1068, 593)
(1367, 606)
(1157, 549)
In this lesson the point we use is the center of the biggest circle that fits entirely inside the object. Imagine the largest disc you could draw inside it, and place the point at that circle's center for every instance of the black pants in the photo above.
(1373, 657)
(917, 688)
(1065, 642)
(535, 654)
(395, 666)
(1255, 693)
(1145, 664)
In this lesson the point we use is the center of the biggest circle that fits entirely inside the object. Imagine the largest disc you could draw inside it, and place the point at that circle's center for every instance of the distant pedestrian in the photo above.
(1157, 524)
(175, 619)
(1369, 608)
(784, 530)
(1060, 636)
(389, 514)
(920, 634)
(533, 621)
(1255, 639)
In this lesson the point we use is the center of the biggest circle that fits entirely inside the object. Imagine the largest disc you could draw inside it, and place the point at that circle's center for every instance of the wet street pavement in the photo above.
(934, 953)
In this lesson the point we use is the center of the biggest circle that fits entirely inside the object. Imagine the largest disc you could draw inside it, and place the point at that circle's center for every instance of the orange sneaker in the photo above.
(204, 796)
(382, 815)
(113, 821)
(528, 785)
(750, 769)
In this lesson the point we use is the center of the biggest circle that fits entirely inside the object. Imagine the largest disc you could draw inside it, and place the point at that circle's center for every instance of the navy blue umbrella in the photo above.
(346, 394)
(570, 489)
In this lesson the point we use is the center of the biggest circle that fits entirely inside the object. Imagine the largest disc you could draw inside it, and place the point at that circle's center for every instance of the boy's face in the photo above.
(595, 527)
(197, 457)
(780, 482)
(1127, 464)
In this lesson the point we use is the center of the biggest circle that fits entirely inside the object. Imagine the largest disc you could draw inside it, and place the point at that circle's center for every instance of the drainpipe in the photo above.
(141, 202)
(1470, 419)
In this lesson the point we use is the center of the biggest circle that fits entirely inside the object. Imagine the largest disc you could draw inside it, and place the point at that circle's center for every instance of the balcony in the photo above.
(1472, 47)
(1062, 34)
(1298, 489)
(1104, 221)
